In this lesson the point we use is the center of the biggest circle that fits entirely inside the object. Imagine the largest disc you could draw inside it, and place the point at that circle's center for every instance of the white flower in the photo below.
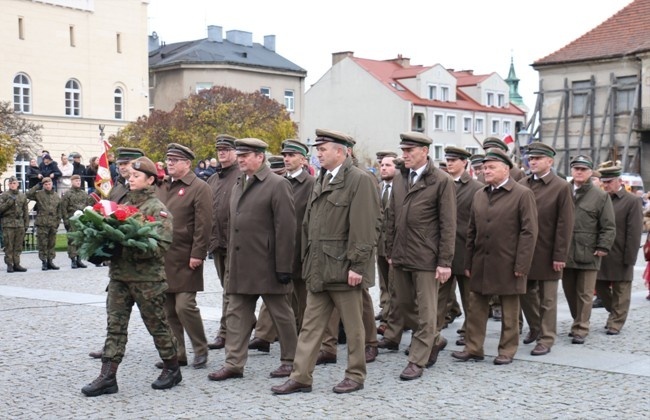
(78, 213)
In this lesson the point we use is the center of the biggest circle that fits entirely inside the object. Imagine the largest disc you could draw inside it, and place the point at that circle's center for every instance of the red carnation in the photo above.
(121, 214)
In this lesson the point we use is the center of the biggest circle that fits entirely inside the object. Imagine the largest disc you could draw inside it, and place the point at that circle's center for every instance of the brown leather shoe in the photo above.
(218, 343)
(540, 350)
(371, 354)
(410, 372)
(379, 316)
(612, 331)
(577, 339)
(532, 336)
(460, 341)
(387, 344)
(433, 356)
(464, 356)
(346, 386)
(259, 345)
(290, 387)
(282, 372)
(161, 365)
(381, 329)
(223, 374)
(502, 359)
(96, 354)
(325, 357)
(200, 361)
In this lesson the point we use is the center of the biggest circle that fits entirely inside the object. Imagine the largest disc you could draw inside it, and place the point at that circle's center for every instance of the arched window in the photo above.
(22, 94)
(118, 101)
(72, 98)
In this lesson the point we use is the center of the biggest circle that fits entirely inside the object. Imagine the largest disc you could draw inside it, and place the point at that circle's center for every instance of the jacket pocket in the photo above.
(585, 245)
(335, 263)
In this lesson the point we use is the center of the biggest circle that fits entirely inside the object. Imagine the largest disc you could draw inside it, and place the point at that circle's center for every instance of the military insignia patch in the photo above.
(163, 214)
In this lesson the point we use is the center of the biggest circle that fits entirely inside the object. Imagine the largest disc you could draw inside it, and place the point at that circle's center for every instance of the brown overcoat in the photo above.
(221, 184)
(302, 186)
(466, 187)
(501, 239)
(555, 216)
(262, 234)
(119, 191)
(421, 221)
(189, 199)
(618, 264)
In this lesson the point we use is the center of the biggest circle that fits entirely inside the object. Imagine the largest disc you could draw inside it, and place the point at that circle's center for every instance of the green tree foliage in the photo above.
(16, 135)
(196, 121)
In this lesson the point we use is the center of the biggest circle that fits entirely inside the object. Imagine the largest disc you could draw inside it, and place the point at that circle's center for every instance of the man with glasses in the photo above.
(190, 202)
(221, 184)
(15, 220)
(594, 231)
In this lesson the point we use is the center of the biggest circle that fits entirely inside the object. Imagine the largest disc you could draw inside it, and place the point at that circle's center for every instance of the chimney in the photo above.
(215, 33)
(240, 38)
(269, 42)
(404, 62)
(338, 56)
(154, 42)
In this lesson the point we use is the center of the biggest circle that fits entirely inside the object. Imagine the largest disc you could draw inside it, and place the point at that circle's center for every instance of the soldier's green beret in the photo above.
(179, 151)
(145, 165)
(294, 146)
(498, 155)
(454, 152)
(12, 179)
(47, 180)
(248, 145)
(75, 176)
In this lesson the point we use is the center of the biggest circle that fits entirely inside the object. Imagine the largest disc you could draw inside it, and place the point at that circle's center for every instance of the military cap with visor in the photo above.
(383, 153)
(610, 172)
(453, 152)
(476, 159)
(540, 149)
(225, 141)
(414, 139)
(250, 145)
(179, 151)
(333, 136)
(294, 146)
(127, 154)
(497, 155)
(492, 142)
(582, 161)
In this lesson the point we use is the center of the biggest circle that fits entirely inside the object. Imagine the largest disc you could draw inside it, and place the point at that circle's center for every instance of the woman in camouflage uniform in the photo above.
(139, 277)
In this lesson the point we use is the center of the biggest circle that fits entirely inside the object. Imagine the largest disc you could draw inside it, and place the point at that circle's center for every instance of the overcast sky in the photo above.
(472, 34)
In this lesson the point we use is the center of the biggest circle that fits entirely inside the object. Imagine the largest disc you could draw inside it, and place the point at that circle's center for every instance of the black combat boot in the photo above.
(170, 375)
(19, 268)
(10, 268)
(106, 382)
(45, 267)
(79, 263)
(51, 265)
(73, 263)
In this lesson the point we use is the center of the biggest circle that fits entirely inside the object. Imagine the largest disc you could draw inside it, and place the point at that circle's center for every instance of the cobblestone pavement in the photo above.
(51, 320)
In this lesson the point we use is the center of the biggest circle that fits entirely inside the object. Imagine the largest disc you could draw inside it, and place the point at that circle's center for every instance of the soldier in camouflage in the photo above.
(48, 217)
(139, 277)
(15, 220)
(74, 199)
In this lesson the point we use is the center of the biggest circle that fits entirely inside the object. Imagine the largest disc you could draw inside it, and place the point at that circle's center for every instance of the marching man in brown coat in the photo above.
(189, 199)
(420, 235)
(617, 267)
(260, 259)
(500, 244)
(555, 220)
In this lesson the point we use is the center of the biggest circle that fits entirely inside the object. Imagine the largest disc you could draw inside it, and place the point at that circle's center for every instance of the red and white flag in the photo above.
(508, 140)
(103, 181)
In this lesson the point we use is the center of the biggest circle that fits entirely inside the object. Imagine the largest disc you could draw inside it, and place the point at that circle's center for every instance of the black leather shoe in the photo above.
(19, 268)
(80, 264)
(259, 345)
(44, 266)
(170, 376)
(51, 266)
(577, 339)
(160, 364)
(10, 268)
(200, 361)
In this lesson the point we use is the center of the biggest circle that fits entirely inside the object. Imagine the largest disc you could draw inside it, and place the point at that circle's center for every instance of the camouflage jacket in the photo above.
(48, 203)
(134, 265)
(74, 199)
(13, 209)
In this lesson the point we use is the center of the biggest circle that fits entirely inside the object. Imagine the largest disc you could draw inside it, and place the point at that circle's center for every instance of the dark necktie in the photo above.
(326, 179)
(384, 196)
(413, 175)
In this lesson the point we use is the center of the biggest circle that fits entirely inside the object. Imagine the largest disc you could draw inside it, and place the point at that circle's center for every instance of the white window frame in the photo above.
(472, 149)
(433, 92)
(580, 92)
(72, 98)
(489, 98)
(479, 125)
(118, 103)
(266, 91)
(289, 100)
(438, 151)
(495, 126)
(444, 93)
(203, 86)
(451, 123)
(467, 124)
(625, 90)
(22, 89)
(506, 126)
(438, 121)
(501, 100)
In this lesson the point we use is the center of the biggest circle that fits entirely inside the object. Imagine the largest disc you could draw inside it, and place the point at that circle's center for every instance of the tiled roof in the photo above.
(626, 32)
(207, 52)
(389, 73)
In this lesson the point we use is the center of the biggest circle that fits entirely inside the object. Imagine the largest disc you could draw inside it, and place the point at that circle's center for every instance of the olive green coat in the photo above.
(13, 209)
(49, 206)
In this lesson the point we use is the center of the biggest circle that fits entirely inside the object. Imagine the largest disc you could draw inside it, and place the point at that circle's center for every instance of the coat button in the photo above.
(236, 248)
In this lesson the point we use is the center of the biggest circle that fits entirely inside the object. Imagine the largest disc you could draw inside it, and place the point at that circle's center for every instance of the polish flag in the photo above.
(509, 140)
(103, 181)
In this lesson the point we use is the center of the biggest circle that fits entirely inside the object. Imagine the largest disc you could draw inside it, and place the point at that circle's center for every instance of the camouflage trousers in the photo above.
(46, 238)
(150, 298)
(13, 241)
(72, 250)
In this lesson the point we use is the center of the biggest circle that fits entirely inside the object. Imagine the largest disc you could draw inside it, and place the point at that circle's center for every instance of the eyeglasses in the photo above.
(174, 161)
